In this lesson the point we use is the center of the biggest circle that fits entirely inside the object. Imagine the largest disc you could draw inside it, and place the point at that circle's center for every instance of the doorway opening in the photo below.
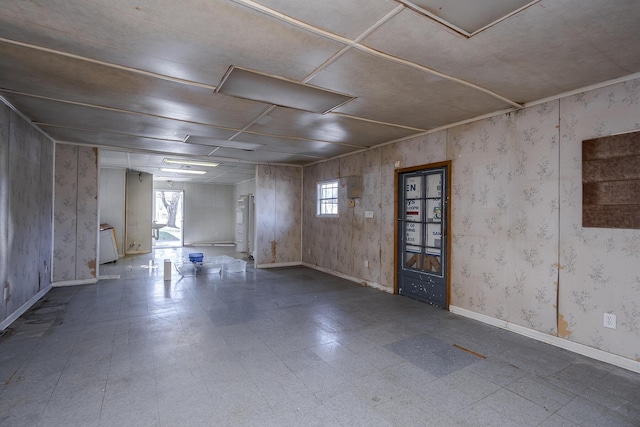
(168, 219)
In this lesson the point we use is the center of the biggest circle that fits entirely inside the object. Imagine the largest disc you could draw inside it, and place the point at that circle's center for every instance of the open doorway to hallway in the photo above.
(168, 218)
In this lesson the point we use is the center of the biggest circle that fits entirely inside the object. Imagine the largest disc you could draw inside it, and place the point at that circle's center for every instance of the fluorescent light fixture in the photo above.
(191, 163)
(189, 171)
(468, 16)
(255, 86)
(200, 140)
(172, 178)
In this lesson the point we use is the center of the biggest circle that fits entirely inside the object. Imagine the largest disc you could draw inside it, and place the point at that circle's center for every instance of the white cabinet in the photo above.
(108, 244)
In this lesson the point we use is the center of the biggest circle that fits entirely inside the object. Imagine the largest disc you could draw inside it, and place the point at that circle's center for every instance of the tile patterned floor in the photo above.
(284, 347)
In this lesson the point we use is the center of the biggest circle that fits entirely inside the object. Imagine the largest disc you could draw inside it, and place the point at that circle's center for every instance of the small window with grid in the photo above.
(328, 198)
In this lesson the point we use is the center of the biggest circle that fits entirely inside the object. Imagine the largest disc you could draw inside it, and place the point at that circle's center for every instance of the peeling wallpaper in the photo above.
(75, 213)
(26, 175)
(278, 221)
(519, 252)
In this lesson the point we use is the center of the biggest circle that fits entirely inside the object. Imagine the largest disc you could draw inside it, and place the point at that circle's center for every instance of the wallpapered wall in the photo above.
(278, 221)
(26, 174)
(519, 251)
(75, 213)
(600, 267)
(343, 244)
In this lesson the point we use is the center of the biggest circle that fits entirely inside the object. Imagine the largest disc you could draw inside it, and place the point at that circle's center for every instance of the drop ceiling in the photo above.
(144, 80)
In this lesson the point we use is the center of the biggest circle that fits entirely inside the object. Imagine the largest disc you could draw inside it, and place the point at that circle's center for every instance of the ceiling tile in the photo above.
(49, 75)
(189, 39)
(64, 114)
(318, 149)
(417, 39)
(345, 18)
(396, 93)
(106, 139)
(329, 127)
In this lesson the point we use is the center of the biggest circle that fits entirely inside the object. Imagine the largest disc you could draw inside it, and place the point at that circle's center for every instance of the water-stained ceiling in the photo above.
(150, 80)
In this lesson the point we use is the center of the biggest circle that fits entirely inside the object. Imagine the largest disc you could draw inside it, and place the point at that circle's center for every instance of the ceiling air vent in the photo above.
(212, 142)
(255, 86)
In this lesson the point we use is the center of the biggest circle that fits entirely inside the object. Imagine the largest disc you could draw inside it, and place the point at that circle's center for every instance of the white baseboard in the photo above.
(109, 277)
(74, 283)
(358, 280)
(279, 264)
(24, 307)
(575, 347)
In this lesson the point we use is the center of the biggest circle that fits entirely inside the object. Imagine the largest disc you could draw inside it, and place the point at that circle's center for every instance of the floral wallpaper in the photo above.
(26, 172)
(278, 221)
(600, 268)
(75, 213)
(519, 252)
(505, 217)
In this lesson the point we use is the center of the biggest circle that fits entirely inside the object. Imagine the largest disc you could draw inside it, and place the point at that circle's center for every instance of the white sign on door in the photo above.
(413, 187)
(413, 212)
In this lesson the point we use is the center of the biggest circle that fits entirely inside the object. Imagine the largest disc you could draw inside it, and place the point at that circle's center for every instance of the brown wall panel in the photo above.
(608, 216)
(611, 193)
(611, 181)
(623, 168)
(624, 145)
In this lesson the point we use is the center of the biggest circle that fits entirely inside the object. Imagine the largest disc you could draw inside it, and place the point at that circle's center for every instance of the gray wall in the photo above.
(138, 213)
(243, 188)
(112, 191)
(209, 211)
(26, 185)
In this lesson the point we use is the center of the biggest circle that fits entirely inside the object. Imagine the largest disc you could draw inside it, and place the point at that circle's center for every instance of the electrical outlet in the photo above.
(610, 320)
(366, 263)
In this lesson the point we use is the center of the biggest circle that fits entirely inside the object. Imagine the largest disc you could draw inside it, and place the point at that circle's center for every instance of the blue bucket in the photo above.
(196, 257)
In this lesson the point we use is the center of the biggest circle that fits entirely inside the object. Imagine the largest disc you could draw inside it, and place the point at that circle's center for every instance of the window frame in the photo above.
(321, 186)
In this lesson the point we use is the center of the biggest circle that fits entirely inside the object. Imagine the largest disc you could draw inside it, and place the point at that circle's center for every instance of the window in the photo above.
(328, 198)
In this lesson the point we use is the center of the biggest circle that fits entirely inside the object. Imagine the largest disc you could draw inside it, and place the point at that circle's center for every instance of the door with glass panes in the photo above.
(422, 231)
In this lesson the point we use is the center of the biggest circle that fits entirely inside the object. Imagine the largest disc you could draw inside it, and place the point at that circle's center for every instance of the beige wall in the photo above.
(112, 202)
(343, 244)
(75, 213)
(26, 185)
(519, 251)
(278, 220)
(138, 212)
(209, 211)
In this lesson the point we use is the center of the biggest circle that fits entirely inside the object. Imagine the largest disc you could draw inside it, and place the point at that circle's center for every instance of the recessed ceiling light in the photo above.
(189, 171)
(255, 86)
(191, 163)
(249, 146)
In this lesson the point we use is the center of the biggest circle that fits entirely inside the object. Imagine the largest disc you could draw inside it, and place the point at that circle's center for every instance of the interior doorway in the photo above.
(168, 219)
(423, 233)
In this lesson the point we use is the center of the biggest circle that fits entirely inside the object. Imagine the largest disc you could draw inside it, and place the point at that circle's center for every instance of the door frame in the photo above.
(182, 214)
(448, 229)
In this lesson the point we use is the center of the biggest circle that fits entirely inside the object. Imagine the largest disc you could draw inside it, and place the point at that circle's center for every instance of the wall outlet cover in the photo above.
(609, 320)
